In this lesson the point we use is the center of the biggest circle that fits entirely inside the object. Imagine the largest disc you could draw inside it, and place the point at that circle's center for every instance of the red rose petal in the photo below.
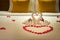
(58, 16)
(30, 31)
(39, 33)
(2, 28)
(58, 21)
(31, 25)
(25, 28)
(44, 32)
(8, 16)
(13, 20)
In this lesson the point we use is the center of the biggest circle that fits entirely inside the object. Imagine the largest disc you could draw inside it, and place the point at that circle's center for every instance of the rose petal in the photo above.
(58, 16)
(8, 16)
(13, 20)
(25, 28)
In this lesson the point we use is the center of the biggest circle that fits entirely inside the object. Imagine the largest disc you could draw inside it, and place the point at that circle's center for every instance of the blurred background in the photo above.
(25, 6)
(4, 5)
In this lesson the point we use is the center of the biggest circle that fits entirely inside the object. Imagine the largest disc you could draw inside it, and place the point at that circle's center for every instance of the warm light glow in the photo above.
(47, 0)
(19, 0)
(47, 6)
(20, 6)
